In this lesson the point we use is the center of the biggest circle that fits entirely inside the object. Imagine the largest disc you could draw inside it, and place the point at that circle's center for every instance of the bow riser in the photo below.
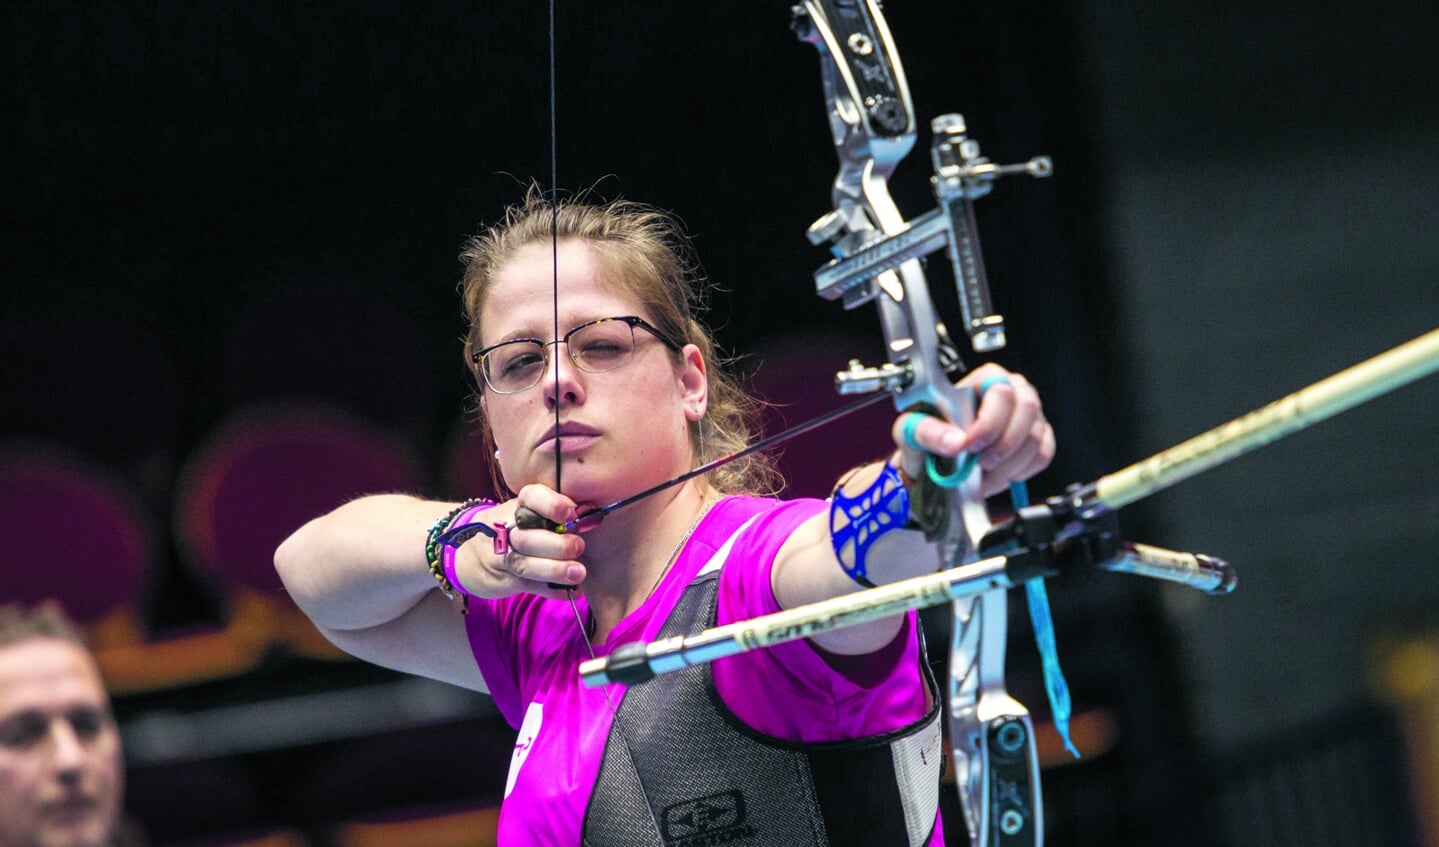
(999, 785)
(991, 733)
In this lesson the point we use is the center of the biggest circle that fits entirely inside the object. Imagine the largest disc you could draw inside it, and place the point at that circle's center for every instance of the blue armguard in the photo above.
(855, 523)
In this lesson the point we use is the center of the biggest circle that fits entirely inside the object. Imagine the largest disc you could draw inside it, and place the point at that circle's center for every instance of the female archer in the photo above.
(597, 380)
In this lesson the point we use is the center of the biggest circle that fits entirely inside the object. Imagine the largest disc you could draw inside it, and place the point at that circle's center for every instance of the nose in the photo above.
(68, 750)
(563, 384)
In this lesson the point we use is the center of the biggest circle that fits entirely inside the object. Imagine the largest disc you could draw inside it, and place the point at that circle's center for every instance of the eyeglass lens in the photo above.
(594, 348)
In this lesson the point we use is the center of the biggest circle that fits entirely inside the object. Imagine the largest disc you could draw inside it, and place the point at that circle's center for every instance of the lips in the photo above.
(71, 809)
(570, 436)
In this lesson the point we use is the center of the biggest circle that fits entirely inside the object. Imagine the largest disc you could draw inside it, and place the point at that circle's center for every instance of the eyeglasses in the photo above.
(595, 347)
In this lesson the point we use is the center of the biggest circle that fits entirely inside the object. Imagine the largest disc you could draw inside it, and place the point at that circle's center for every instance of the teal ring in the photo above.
(906, 429)
(964, 464)
(963, 467)
(994, 380)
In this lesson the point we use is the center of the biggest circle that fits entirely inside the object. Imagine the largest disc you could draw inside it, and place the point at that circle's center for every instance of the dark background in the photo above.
(274, 194)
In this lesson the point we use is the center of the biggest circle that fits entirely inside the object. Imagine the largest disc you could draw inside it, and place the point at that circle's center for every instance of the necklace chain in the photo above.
(675, 553)
(587, 629)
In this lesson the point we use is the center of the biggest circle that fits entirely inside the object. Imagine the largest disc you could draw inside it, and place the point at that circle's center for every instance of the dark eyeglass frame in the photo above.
(635, 322)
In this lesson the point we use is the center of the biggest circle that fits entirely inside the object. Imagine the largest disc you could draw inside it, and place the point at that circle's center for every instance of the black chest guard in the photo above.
(710, 780)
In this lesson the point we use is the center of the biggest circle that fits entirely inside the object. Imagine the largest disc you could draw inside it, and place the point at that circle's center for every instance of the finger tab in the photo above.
(526, 518)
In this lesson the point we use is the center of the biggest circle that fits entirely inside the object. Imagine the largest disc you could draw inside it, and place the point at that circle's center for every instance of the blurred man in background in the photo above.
(61, 774)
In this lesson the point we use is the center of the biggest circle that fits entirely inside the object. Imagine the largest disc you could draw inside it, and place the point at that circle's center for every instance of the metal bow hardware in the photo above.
(877, 258)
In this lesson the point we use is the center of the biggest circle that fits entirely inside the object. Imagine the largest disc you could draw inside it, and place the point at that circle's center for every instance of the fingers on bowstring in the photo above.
(546, 502)
(546, 560)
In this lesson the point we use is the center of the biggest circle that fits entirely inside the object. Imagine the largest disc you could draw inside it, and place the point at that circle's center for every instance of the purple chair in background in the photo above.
(258, 477)
(75, 532)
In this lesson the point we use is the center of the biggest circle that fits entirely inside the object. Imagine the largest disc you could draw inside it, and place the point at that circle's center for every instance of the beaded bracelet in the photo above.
(440, 545)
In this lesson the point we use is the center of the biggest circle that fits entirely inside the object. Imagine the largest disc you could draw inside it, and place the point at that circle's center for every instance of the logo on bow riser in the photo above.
(716, 819)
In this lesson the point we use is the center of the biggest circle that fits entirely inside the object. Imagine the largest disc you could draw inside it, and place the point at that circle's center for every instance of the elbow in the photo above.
(290, 558)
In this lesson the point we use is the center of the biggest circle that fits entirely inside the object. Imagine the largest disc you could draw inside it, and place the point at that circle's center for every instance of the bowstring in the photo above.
(555, 359)
(555, 230)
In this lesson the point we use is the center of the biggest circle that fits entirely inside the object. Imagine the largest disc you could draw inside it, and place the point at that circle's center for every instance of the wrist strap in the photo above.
(445, 535)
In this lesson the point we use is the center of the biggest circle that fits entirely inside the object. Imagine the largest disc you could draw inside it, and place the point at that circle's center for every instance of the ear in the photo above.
(694, 382)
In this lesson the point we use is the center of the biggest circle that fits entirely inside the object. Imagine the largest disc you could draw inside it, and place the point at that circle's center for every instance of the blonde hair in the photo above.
(646, 254)
(47, 620)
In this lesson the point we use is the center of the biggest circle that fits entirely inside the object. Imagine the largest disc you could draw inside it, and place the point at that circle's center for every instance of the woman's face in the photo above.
(620, 431)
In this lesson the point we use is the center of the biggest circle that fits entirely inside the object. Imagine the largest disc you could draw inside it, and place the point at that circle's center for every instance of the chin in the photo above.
(588, 492)
(91, 833)
(586, 483)
(72, 838)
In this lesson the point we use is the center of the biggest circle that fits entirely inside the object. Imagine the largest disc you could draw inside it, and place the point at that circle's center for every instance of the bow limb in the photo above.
(872, 123)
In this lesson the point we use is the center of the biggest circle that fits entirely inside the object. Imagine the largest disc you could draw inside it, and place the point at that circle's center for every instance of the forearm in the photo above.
(363, 564)
(809, 568)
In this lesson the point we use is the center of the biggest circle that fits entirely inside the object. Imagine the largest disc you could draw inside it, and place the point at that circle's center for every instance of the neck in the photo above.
(628, 555)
